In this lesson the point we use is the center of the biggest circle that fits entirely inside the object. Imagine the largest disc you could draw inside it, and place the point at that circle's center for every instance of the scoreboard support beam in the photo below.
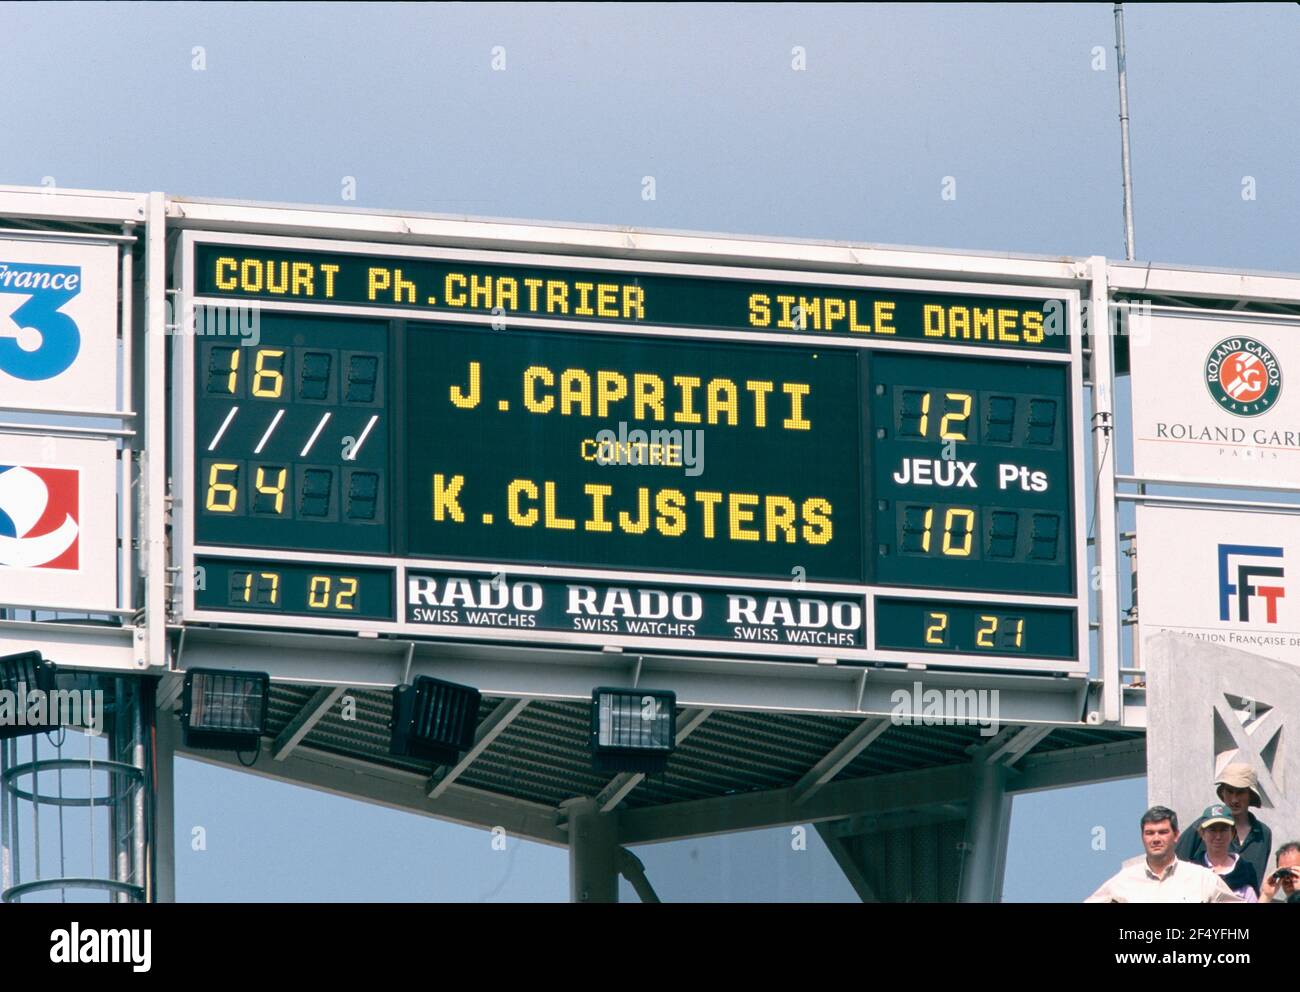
(151, 636)
(1014, 743)
(840, 756)
(879, 796)
(300, 726)
(633, 870)
(571, 674)
(622, 784)
(1105, 441)
(166, 737)
(506, 713)
(988, 823)
(853, 871)
(594, 853)
(127, 465)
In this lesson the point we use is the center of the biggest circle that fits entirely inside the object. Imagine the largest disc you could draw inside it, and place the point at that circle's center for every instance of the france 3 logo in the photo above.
(52, 339)
(1241, 569)
(39, 520)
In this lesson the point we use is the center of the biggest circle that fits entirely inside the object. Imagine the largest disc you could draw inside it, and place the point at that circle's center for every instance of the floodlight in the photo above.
(223, 710)
(632, 730)
(20, 674)
(434, 719)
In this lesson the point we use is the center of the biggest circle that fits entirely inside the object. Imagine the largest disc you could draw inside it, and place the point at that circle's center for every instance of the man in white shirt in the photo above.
(1160, 876)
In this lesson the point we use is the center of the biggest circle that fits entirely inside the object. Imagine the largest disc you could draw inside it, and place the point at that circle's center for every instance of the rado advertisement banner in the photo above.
(1217, 400)
(611, 610)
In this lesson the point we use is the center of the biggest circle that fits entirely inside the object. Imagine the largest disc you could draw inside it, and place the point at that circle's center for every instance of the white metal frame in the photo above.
(1134, 281)
(606, 241)
(183, 455)
(380, 655)
(1104, 429)
(77, 208)
(1208, 314)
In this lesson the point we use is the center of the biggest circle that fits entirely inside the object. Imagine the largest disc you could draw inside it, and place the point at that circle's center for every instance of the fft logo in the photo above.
(39, 519)
(1237, 577)
(47, 341)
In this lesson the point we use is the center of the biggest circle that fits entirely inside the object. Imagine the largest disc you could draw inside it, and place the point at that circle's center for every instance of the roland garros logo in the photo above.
(1243, 376)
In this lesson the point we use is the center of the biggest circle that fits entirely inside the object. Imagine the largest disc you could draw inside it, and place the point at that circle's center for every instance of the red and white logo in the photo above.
(1243, 377)
(39, 517)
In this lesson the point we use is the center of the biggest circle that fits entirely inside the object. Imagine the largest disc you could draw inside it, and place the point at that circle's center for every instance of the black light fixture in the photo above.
(20, 674)
(434, 719)
(632, 730)
(224, 711)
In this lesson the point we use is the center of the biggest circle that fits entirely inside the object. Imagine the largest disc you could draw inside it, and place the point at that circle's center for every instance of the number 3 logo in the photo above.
(50, 288)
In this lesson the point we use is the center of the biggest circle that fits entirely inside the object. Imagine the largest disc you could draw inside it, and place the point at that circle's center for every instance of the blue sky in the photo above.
(292, 100)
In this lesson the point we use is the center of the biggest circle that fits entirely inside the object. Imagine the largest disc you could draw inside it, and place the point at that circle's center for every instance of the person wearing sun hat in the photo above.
(1216, 825)
(1251, 839)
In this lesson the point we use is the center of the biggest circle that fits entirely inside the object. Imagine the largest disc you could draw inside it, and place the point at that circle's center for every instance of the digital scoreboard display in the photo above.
(294, 436)
(633, 452)
(505, 449)
(969, 461)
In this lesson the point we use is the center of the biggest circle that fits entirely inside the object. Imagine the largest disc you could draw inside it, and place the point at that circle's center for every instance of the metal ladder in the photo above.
(37, 772)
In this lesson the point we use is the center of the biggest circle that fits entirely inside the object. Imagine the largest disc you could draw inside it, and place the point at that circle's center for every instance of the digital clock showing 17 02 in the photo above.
(293, 588)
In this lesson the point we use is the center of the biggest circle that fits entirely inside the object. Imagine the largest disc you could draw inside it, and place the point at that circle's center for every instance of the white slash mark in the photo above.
(314, 435)
(269, 431)
(222, 429)
(356, 448)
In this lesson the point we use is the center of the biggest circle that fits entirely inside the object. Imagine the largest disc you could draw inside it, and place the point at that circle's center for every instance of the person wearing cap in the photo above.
(1159, 876)
(1251, 840)
(1284, 884)
(1216, 825)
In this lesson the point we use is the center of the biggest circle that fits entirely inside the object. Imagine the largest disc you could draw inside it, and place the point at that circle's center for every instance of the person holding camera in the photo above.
(1283, 885)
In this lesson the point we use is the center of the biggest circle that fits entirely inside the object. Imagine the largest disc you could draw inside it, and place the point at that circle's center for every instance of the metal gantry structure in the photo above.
(761, 742)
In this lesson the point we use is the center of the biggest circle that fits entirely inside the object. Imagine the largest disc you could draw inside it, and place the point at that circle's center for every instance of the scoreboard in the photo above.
(560, 451)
